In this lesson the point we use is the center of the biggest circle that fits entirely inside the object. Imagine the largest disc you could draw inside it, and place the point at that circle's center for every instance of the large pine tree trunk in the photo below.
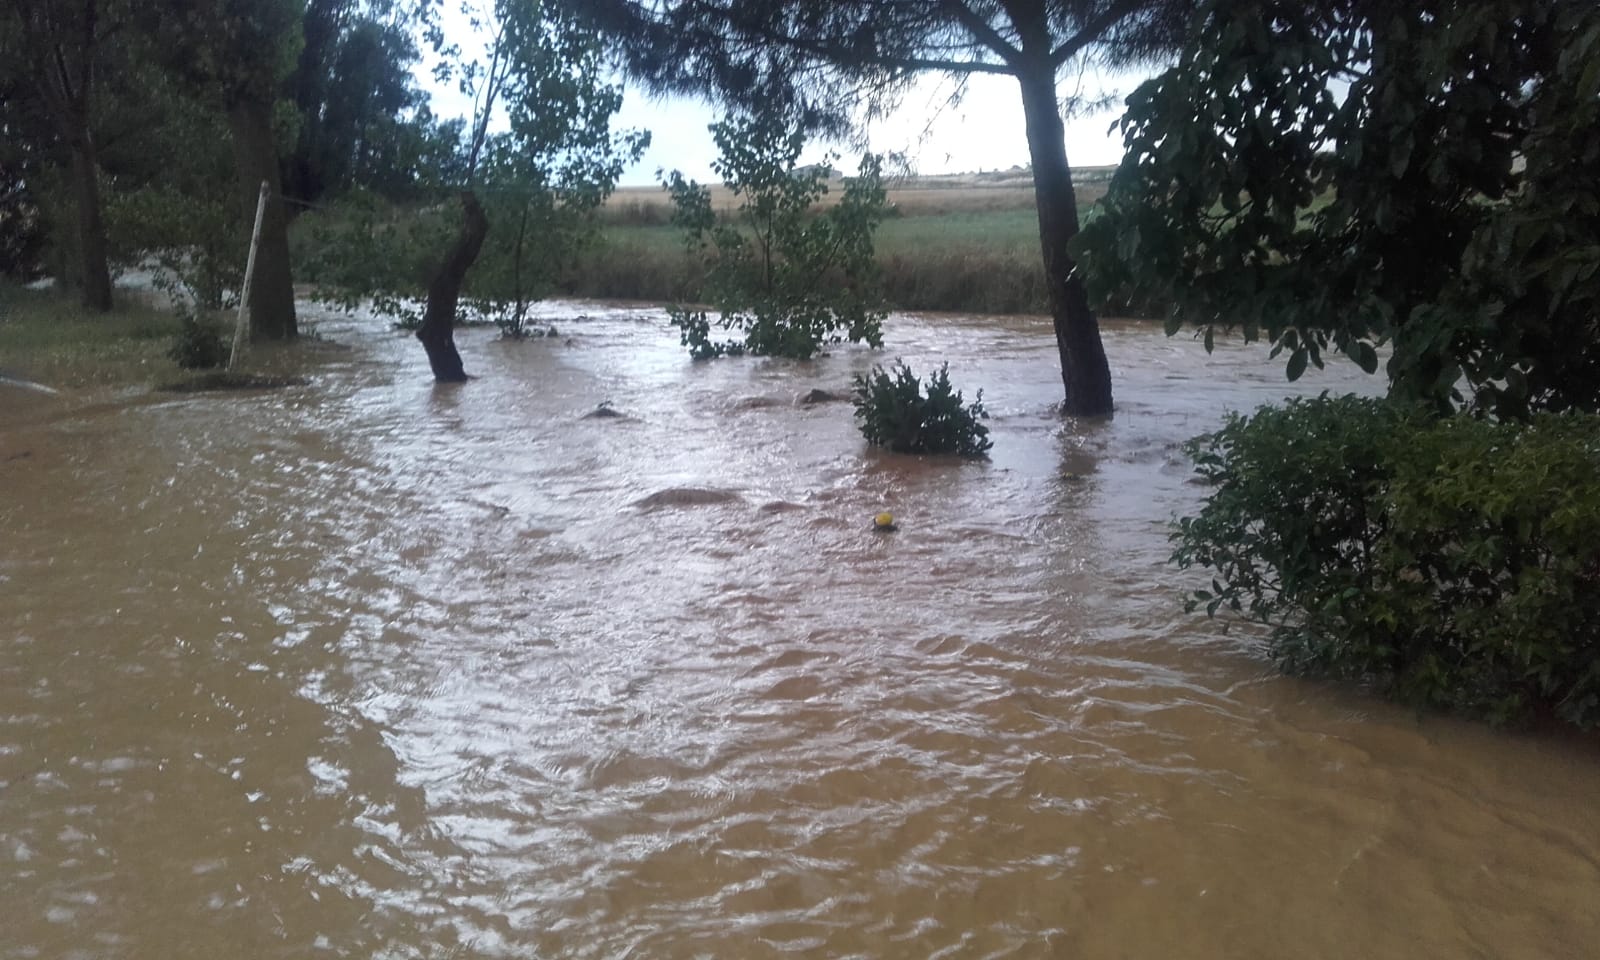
(255, 153)
(437, 332)
(93, 260)
(1085, 373)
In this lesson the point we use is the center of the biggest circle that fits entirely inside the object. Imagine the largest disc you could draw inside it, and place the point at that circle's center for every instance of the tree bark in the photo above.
(272, 315)
(437, 332)
(92, 246)
(1085, 373)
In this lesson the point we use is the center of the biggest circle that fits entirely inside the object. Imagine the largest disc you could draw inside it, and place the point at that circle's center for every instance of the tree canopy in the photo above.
(833, 57)
(1347, 174)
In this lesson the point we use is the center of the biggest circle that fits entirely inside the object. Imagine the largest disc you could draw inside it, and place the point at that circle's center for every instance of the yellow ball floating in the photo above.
(884, 521)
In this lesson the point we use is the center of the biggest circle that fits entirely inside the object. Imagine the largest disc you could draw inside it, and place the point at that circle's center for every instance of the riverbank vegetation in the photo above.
(1452, 562)
(965, 244)
(783, 278)
(1444, 543)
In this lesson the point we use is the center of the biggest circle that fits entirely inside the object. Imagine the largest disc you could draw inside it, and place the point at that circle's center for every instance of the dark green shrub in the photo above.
(1453, 563)
(896, 413)
(198, 345)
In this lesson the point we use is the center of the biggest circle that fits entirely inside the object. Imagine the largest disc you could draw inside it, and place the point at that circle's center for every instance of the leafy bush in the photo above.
(785, 279)
(896, 413)
(198, 345)
(1454, 563)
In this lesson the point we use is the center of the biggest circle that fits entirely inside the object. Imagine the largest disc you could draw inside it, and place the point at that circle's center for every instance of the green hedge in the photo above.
(1454, 563)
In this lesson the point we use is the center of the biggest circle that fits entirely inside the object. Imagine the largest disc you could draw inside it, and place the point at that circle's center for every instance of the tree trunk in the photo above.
(1084, 371)
(437, 332)
(93, 258)
(255, 154)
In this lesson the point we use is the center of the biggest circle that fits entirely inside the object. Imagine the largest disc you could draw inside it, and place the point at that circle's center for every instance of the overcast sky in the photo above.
(984, 131)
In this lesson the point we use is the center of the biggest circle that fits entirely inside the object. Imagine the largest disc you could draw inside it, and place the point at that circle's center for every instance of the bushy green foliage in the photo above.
(195, 243)
(172, 199)
(362, 250)
(783, 278)
(896, 412)
(198, 345)
(1454, 563)
(1338, 175)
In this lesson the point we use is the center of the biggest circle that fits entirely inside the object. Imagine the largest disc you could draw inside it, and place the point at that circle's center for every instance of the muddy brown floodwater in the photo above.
(374, 668)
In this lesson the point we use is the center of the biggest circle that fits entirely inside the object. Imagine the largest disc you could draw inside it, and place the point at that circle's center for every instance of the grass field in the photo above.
(48, 337)
(967, 243)
(911, 197)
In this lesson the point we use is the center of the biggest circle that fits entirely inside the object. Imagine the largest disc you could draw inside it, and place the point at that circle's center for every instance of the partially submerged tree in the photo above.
(1339, 174)
(542, 76)
(1342, 174)
(785, 277)
(835, 56)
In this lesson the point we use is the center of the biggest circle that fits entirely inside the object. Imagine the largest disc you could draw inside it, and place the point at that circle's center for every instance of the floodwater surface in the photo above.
(377, 668)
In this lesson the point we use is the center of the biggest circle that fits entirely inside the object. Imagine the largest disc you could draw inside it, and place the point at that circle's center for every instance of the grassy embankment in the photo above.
(962, 243)
(48, 337)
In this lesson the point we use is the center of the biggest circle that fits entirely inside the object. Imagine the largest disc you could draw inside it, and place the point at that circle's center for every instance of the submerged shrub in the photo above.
(1452, 563)
(895, 412)
(198, 346)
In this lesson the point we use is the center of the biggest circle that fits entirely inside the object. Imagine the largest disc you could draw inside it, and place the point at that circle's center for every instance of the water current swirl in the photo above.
(374, 668)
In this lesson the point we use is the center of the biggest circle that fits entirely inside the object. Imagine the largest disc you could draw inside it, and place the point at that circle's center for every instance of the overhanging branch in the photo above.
(985, 33)
(1092, 31)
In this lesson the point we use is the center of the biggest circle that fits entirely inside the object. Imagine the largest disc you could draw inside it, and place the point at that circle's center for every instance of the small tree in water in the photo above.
(782, 278)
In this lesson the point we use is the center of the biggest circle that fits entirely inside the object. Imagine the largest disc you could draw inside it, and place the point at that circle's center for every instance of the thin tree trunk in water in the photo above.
(437, 332)
(93, 258)
(272, 315)
(1085, 373)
